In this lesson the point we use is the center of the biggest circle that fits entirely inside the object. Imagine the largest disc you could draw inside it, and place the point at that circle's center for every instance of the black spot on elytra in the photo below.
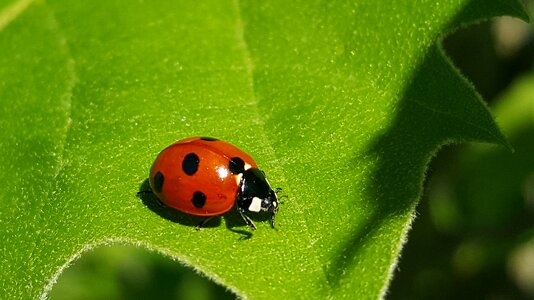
(199, 199)
(190, 164)
(209, 139)
(158, 182)
(236, 165)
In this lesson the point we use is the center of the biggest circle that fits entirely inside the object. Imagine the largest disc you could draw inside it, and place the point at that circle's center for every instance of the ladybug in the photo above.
(204, 176)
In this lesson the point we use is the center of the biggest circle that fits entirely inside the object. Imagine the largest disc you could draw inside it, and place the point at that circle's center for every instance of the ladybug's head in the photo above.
(256, 194)
(270, 204)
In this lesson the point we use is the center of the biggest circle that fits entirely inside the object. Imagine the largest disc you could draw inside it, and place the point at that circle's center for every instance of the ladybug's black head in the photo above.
(256, 194)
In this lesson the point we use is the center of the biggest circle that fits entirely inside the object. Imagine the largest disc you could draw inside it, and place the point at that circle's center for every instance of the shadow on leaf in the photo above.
(232, 218)
(430, 113)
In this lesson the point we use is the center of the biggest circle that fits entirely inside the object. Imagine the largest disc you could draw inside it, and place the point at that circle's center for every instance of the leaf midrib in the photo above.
(249, 64)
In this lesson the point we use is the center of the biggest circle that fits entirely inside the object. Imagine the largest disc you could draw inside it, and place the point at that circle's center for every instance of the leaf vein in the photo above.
(242, 43)
(66, 98)
(12, 12)
(66, 103)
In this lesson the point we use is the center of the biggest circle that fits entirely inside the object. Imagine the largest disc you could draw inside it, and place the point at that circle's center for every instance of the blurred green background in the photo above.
(473, 237)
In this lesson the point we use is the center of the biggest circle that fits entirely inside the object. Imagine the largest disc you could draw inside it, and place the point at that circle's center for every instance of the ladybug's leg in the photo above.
(201, 224)
(246, 218)
(144, 192)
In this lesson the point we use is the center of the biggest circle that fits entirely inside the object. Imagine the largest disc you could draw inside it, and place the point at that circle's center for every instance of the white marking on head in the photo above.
(247, 166)
(238, 178)
(274, 203)
(255, 205)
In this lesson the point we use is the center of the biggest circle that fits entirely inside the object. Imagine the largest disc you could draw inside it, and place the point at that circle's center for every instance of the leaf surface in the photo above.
(341, 103)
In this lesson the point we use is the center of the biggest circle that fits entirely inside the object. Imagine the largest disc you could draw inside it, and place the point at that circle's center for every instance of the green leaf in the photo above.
(477, 220)
(504, 181)
(341, 103)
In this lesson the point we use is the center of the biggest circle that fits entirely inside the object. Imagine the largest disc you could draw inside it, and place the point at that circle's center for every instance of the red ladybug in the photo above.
(204, 176)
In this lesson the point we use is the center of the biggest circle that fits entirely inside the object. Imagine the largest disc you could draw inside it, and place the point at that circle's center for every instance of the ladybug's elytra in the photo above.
(207, 177)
